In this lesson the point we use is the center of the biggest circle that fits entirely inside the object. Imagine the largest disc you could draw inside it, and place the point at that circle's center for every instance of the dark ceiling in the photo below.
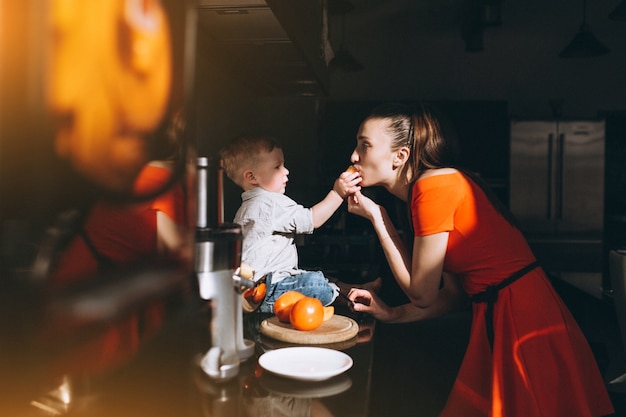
(271, 46)
(284, 47)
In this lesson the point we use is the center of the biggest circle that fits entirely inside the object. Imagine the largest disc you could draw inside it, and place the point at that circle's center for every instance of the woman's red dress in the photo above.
(125, 235)
(541, 363)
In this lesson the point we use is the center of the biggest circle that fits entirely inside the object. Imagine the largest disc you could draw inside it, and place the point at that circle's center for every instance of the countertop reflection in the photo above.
(165, 379)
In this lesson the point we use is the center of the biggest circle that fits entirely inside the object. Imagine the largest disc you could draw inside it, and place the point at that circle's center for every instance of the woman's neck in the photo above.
(399, 189)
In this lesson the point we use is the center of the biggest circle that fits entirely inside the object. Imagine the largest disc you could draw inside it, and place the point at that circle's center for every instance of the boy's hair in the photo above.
(242, 154)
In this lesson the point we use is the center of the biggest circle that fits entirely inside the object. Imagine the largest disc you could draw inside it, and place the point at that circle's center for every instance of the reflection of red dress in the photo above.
(541, 363)
(126, 235)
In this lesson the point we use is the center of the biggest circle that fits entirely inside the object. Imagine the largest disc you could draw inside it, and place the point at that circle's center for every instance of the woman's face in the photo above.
(373, 155)
(108, 83)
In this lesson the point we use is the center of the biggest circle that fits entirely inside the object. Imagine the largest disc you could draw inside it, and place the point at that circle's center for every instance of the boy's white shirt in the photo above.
(270, 221)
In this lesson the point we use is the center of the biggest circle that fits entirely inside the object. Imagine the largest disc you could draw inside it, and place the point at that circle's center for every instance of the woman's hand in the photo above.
(451, 297)
(365, 301)
(363, 206)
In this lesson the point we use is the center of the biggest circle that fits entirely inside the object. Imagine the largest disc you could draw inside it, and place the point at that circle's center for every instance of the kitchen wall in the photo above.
(519, 66)
(418, 51)
(226, 111)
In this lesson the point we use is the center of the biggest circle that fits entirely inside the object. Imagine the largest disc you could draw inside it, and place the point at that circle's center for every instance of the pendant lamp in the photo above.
(343, 59)
(584, 44)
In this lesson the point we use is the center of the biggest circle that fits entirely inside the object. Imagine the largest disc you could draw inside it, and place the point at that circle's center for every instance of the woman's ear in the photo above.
(401, 157)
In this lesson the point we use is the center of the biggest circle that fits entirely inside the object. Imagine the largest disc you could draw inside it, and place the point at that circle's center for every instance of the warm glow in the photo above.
(65, 391)
(523, 339)
(109, 76)
(496, 403)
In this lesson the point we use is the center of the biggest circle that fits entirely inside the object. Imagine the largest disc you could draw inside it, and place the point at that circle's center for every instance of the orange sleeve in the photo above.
(170, 201)
(434, 203)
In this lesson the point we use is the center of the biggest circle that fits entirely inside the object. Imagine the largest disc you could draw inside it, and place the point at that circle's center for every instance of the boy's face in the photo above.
(270, 172)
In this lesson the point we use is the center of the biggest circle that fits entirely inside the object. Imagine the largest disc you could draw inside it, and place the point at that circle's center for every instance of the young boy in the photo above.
(270, 220)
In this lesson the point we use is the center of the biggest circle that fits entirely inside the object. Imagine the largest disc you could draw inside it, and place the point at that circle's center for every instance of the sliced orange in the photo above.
(329, 312)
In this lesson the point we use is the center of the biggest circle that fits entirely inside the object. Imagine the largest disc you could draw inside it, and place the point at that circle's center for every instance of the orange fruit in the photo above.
(256, 294)
(283, 304)
(249, 294)
(259, 294)
(329, 312)
(307, 314)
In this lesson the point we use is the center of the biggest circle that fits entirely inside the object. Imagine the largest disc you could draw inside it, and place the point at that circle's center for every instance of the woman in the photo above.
(151, 228)
(526, 355)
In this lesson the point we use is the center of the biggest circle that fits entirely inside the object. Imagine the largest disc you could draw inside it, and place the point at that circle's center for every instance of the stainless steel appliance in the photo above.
(218, 260)
(557, 195)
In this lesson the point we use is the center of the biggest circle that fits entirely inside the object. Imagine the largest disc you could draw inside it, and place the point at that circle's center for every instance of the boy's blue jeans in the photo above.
(310, 283)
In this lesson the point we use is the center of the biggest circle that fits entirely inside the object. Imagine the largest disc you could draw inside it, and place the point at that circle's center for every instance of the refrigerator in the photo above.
(557, 195)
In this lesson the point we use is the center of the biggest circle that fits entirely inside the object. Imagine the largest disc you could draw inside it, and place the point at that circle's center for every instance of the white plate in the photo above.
(306, 363)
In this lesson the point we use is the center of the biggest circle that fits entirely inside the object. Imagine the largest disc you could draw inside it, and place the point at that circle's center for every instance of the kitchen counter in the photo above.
(165, 379)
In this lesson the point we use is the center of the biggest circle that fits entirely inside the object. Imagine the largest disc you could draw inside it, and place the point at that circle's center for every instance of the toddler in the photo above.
(270, 220)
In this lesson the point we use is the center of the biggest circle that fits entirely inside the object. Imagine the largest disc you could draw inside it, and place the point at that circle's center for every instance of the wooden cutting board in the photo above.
(337, 329)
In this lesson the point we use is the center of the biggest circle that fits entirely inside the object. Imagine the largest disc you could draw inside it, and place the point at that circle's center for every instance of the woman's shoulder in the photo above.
(442, 188)
(438, 176)
(438, 171)
(437, 180)
(151, 178)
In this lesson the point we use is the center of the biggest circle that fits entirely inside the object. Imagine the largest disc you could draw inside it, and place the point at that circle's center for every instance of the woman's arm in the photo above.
(390, 240)
(449, 298)
(395, 251)
(171, 238)
(418, 275)
(429, 253)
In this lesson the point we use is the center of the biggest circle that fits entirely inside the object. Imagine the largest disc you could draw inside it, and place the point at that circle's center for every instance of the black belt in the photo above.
(490, 295)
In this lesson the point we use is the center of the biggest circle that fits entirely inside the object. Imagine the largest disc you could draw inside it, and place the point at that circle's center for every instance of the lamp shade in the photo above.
(584, 45)
(344, 61)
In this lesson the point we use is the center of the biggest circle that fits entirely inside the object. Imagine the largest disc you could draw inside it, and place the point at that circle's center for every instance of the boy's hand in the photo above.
(348, 182)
